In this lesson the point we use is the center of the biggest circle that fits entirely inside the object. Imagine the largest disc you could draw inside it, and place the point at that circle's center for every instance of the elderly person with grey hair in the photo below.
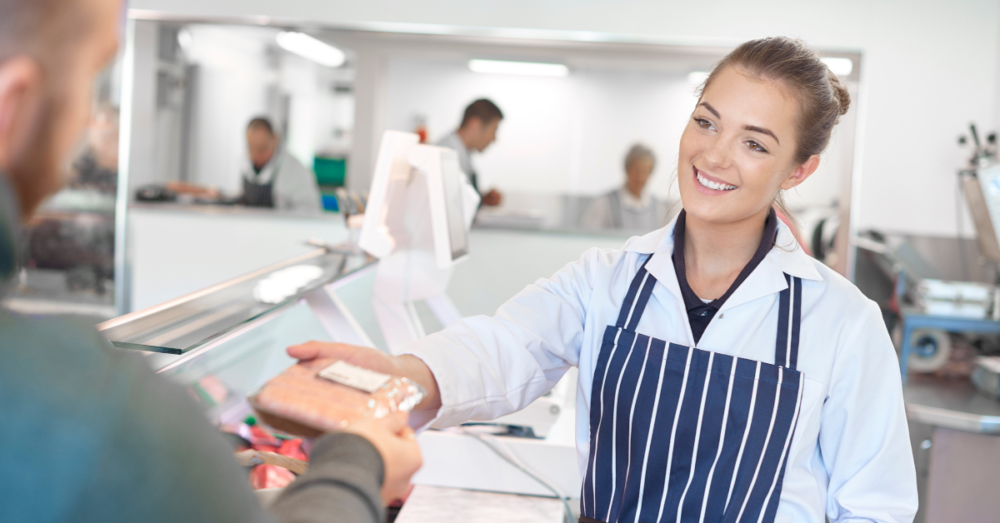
(629, 207)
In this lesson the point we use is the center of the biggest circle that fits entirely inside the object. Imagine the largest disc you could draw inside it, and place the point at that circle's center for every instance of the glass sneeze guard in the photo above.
(183, 324)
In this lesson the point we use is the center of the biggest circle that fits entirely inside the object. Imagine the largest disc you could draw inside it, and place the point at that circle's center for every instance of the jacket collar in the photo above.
(270, 169)
(786, 257)
(10, 225)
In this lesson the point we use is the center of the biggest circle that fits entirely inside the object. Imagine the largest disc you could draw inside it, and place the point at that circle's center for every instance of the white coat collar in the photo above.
(786, 257)
(268, 172)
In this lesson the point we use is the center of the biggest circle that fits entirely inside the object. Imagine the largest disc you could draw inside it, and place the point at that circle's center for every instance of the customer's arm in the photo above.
(146, 452)
(353, 474)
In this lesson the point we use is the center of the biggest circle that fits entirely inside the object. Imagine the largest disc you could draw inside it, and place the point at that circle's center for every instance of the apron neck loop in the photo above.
(632, 307)
(786, 348)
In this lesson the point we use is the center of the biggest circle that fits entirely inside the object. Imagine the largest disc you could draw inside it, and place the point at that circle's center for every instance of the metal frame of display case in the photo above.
(189, 322)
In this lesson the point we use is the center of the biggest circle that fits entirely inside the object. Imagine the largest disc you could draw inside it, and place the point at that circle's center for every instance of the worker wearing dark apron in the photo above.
(259, 194)
(724, 376)
(684, 434)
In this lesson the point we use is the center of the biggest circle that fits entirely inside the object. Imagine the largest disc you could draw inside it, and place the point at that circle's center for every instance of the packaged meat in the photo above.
(270, 476)
(300, 401)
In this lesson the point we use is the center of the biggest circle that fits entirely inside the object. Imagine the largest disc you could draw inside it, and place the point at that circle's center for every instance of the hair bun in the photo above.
(840, 93)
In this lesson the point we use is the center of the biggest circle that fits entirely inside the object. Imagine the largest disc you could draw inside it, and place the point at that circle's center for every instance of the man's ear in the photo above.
(801, 173)
(20, 105)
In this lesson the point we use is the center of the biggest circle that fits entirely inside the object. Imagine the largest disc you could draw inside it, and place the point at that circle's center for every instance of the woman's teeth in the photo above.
(713, 185)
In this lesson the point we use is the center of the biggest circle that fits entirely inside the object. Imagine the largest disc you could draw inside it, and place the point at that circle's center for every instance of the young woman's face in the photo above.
(738, 149)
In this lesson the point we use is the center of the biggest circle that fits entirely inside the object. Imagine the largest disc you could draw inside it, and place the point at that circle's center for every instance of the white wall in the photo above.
(930, 67)
(230, 90)
(559, 135)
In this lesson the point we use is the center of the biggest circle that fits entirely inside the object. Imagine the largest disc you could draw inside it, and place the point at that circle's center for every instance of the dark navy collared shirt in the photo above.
(700, 314)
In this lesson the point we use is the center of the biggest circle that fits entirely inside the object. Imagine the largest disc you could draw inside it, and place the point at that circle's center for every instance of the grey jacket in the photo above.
(91, 434)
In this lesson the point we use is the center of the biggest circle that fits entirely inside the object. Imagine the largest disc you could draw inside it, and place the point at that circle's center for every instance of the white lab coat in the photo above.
(454, 142)
(295, 187)
(850, 458)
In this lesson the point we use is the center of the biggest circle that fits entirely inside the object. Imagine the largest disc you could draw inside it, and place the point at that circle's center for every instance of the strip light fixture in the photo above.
(838, 65)
(518, 68)
(311, 48)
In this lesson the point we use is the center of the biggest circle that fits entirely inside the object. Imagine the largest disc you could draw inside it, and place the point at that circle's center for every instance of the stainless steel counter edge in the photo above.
(953, 419)
(208, 290)
(247, 327)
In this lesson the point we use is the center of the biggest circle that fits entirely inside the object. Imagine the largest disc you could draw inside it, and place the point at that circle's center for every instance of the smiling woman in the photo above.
(724, 374)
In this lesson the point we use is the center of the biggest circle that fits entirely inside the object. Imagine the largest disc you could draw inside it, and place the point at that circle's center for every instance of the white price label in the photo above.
(356, 377)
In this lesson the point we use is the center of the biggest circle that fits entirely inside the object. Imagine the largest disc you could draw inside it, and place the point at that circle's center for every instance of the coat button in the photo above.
(722, 315)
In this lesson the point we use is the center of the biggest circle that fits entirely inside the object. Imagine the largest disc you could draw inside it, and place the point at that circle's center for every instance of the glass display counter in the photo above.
(181, 325)
(223, 343)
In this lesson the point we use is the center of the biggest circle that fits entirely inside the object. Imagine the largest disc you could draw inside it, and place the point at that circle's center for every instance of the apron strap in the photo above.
(786, 349)
(632, 308)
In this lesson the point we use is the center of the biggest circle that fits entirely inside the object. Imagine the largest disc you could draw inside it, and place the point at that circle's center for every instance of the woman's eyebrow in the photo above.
(761, 130)
(710, 109)
(752, 128)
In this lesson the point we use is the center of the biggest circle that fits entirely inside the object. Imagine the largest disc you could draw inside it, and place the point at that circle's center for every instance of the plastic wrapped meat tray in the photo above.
(299, 401)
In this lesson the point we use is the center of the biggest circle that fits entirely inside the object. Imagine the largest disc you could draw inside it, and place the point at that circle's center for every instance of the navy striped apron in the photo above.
(680, 434)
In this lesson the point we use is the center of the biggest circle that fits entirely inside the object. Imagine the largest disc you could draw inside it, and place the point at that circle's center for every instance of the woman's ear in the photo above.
(801, 173)
(20, 105)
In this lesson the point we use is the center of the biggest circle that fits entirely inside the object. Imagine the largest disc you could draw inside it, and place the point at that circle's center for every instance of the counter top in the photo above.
(562, 213)
(444, 505)
(954, 404)
(230, 210)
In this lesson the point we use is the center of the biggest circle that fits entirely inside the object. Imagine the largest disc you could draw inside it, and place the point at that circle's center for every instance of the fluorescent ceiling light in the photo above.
(697, 78)
(184, 38)
(311, 48)
(524, 68)
(839, 66)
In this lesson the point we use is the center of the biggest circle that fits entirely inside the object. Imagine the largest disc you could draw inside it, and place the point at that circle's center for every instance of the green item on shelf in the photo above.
(330, 172)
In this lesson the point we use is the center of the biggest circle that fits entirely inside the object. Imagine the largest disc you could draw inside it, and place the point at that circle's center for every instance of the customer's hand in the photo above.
(406, 366)
(398, 447)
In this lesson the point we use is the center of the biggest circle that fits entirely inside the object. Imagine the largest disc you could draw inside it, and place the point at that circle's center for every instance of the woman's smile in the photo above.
(711, 185)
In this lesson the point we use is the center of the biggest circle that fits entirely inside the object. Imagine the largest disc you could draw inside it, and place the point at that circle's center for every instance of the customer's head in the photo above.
(764, 116)
(479, 124)
(50, 53)
(639, 164)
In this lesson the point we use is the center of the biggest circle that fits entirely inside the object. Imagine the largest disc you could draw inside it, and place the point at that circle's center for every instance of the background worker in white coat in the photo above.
(273, 178)
(724, 374)
(477, 131)
(629, 207)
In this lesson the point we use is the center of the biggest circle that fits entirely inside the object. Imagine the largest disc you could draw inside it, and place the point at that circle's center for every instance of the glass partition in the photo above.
(188, 322)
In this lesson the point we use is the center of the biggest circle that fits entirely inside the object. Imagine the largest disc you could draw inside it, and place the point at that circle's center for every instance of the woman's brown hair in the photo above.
(788, 61)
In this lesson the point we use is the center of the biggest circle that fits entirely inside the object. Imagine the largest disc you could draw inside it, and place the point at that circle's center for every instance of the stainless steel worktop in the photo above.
(952, 404)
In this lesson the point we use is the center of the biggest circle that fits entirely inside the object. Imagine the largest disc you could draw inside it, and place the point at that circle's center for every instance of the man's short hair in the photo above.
(261, 123)
(42, 29)
(484, 109)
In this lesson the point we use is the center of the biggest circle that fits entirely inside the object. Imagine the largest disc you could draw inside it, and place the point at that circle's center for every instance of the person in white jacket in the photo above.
(724, 375)
(273, 178)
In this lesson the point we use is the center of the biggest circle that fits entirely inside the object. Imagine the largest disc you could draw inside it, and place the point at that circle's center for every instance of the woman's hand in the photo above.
(398, 447)
(406, 366)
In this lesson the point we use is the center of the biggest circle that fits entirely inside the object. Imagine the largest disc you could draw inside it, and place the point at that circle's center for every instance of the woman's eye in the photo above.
(704, 124)
(754, 146)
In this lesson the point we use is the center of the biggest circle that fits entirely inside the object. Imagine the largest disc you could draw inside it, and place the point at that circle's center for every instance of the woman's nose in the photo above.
(717, 154)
